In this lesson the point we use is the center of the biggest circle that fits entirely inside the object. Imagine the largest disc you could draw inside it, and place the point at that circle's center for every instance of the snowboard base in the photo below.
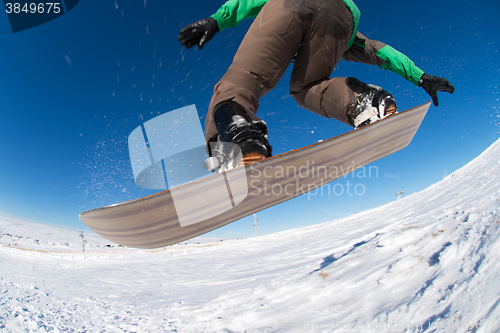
(201, 206)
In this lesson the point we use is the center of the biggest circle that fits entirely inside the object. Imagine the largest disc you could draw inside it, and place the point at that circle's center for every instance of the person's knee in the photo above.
(299, 97)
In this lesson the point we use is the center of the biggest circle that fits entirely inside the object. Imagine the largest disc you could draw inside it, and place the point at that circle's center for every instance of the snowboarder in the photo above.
(314, 34)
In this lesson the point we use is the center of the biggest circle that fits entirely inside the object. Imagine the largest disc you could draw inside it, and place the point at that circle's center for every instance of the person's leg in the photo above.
(261, 60)
(348, 100)
(310, 84)
(345, 99)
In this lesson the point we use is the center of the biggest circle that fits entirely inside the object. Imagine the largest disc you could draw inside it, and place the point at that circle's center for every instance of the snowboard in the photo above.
(195, 208)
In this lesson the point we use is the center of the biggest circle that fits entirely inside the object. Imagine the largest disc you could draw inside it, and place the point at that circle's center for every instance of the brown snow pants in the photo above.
(318, 31)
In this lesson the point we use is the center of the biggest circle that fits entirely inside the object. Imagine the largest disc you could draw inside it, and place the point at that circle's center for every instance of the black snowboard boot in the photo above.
(372, 103)
(241, 141)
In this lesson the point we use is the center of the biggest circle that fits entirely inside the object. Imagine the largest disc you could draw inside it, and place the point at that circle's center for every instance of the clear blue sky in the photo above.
(73, 89)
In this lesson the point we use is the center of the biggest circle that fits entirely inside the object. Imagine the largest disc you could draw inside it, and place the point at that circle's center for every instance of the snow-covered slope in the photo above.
(25, 235)
(29, 235)
(425, 263)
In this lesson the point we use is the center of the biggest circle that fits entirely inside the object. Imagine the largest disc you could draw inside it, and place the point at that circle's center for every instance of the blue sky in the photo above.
(74, 88)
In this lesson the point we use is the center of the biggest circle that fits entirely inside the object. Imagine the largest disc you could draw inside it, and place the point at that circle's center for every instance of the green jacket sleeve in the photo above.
(377, 53)
(234, 11)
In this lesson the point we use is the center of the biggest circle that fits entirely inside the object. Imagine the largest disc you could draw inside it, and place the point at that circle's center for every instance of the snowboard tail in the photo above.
(201, 206)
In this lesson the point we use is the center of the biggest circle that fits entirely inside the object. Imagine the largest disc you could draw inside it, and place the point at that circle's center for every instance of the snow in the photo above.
(425, 263)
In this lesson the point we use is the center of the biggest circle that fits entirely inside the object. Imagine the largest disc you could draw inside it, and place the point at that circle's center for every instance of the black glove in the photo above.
(198, 33)
(433, 84)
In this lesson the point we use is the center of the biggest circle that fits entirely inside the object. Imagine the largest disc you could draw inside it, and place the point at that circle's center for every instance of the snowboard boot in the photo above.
(241, 141)
(372, 103)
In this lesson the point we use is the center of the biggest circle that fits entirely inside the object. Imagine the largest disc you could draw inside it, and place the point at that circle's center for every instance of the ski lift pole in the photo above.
(83, 240)
(255, 224)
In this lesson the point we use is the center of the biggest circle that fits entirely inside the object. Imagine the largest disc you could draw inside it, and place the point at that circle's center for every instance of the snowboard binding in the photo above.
(241, 141)
(372, 103)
